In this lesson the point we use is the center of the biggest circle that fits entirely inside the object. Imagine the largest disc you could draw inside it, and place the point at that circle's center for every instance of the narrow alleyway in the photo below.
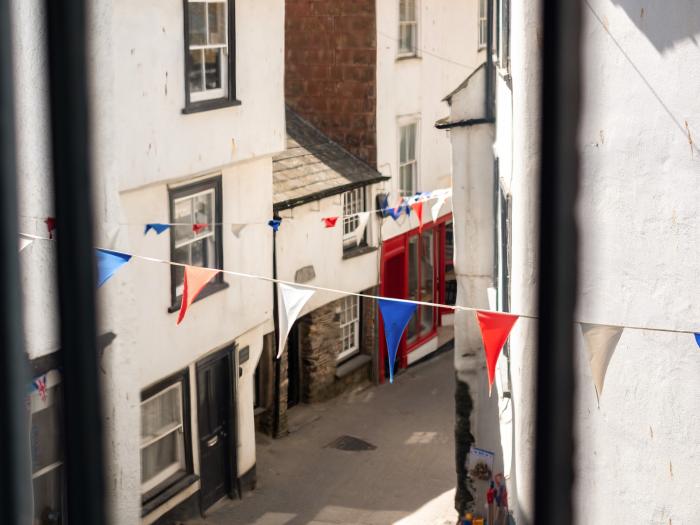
(408, 479)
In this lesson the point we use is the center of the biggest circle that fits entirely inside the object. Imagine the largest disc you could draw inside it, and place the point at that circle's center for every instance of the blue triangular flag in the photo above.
(697, 338)
(274, 224)
(388, 210)
(156, 226)
(396, 316)
(109, 262)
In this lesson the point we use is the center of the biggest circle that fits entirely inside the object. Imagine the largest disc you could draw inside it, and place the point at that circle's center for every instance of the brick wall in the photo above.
(330, 69)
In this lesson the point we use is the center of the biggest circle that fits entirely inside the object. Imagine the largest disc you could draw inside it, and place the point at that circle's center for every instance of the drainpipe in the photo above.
(278, 362)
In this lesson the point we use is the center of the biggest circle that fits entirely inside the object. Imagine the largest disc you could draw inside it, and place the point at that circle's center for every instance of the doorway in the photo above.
(294, 375)
(217, 428)
(393, 284)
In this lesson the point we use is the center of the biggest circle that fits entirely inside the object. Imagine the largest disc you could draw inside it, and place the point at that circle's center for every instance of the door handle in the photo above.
(212, 441)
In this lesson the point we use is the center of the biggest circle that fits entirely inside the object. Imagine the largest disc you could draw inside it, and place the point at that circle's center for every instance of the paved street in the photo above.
(408, 479)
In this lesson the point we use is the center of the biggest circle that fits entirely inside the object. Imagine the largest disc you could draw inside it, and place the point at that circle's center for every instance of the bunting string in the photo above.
(371, 296)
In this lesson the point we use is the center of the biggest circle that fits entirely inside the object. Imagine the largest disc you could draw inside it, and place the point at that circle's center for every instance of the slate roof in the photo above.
(313, 167)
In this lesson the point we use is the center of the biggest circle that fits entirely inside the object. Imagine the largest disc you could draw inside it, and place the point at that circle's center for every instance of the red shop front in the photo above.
(413, 267)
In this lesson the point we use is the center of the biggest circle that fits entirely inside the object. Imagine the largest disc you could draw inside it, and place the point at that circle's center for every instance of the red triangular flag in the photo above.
(329, 221)
(195, 279)
(50, 225)
(495, 328)
(418, 208)
(198, 227)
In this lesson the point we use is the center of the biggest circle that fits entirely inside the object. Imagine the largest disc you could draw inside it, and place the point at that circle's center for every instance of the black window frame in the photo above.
(157, 496)
(215, 103)
(217, 283)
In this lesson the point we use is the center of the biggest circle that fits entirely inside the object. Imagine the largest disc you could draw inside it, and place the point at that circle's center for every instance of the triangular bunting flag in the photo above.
(24, 242)
(362, 219)
(495, 328)
(274, 224)
(196, 278)
(435, 208)
(600, 341)
(50, 225)
(396, 315)
(198, 227)
(156, 227)
(109, 262)
(329, 221)
(290, 301)
(697, 338)
(418, 208)
(237, 228)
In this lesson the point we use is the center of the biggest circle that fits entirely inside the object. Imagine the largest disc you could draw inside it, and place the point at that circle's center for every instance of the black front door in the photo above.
(216, 429)
(293, 368)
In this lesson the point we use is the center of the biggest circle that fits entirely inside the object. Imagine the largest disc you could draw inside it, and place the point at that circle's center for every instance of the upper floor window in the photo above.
(349, 327)
(353, 229)
(408, 163)
(195, 212)
(503, 33)
(483, 23)
(209, 54)
(408, 28)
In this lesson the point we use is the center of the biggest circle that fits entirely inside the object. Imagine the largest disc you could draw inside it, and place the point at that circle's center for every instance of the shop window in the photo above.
(209, 54)
(353, 202)
(408, 28)
(450, 277)
(196, 204)
(421, 284)
(46, 437)
(165, 452)
(408, 162)
(349, 327)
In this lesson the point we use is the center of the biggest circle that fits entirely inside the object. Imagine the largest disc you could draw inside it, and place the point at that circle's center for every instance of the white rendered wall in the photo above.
(303, 240)
(414, 88)
(640, 237)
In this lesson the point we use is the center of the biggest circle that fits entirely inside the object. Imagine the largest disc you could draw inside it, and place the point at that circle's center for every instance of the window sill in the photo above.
(402, 58)
(156, 501)
(209, 290)
(357, 251)
(352, 364)
(208, 105)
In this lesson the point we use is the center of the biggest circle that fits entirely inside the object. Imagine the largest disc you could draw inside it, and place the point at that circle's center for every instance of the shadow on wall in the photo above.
(664, 23)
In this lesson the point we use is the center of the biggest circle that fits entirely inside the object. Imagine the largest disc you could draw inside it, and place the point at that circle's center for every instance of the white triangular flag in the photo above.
(362, 219)
(435, 208)
(237, 228)
(600, 341)
(290, 301)
(24, 242)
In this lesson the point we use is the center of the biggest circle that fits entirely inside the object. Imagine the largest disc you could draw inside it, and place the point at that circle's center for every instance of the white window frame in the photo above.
(222, 92)
(354, 202)
(164, 432)
(408, 25)
(404, 124)
(349, 327)
(483, 23)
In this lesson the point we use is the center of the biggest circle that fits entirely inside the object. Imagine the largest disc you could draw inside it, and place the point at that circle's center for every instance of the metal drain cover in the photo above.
(350, 443)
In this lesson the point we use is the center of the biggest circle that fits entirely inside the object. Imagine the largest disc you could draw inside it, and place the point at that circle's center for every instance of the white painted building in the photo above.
(187, 110)
(636, 452)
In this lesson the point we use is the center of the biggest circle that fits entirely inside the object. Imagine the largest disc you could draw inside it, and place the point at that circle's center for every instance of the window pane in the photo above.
(162, 454)
(198, 252)
(412, 331)
(411, 142)
(48, 497)
(160, 413)
(204, 210)
(217, 23)
(197, 23)
(46, 430)
(183, 214)
(195, 74)
(212, 59)
(427, 281)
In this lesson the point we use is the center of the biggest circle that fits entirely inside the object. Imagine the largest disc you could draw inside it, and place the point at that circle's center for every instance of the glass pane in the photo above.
(47, 431)
(48, 498)
(159, 413)
(183, 214)
(204, 211)
(427, 281)
(198, 252)
(195, 74)
(410, 10)
(160, 455)
(411, 142)
(197, 23)
(217, 23)
(403, 148)
(412, 330)
(212, 64)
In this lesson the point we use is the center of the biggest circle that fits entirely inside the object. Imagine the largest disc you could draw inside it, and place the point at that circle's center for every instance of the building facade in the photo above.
(187, 110)
(636, 234)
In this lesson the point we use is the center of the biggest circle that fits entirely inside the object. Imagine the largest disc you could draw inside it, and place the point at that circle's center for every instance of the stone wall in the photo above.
(330, 69)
